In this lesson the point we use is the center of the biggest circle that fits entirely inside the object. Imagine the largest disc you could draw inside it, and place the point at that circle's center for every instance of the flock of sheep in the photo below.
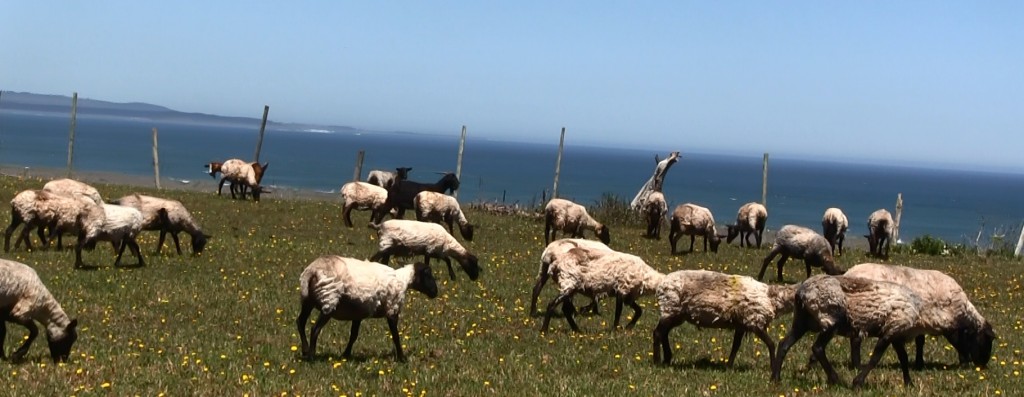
(891, 303)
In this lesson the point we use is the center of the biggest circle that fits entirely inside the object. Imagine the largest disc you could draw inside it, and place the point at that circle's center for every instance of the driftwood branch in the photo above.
(656, 182)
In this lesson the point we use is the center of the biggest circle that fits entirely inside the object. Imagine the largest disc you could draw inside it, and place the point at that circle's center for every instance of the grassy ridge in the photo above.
(224, 323)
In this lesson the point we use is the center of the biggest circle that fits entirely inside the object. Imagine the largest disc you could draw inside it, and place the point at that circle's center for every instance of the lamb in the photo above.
(401, 194)
(947, 312)
(801, 243)
(569, 217)
(386, 179)
(352, 289)
(43, 208)
(242, 174)
(853, 306)
(26, 301)
(881, 228)
(654, 209)
(626, 276)
(118, 225)
(407, 237)
(555, 252)
(167, 216)
(439, 207)
(71, 187)
(715, 300)
(362, 196)
(834, 225)
(750, 220)
(693, 220)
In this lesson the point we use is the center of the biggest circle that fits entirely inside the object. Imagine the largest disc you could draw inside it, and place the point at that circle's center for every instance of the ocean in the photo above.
(951, 205)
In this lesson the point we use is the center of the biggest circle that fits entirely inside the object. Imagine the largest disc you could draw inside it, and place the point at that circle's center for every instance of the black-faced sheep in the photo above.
(443, 209)
(654, 211)
(715, 300)
(353, 290)
(71, 187)
(401, 237)
(118, 225)
(834, 225)
(693, 220)
(750, 220)
(386, 179)
(25, 301)
(242, 175)
(880, 230)
(167, 216)
(568, 217)
(401, 194)
(45, 209)
(557, 251)
(362, 196)
(801, 243)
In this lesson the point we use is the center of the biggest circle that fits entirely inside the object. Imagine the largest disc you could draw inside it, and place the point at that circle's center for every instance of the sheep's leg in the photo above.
(855, 342)
(919, 353)
(901, 353)
(24, 236)
(673, 237)
(15, 221)
(314, 334)
(130, 242)
(562, 297)
(569, 311)
(177, 245)
(661, 331)
(548, 235)
(542, 278)
(33, 331)
(393, 327)
(593, 307)
(767, 260)
(220, 186)
(353, 334)
(346, 214)
(300, 323)
(763, 335)
(795, 333)
(618, 311)
(876, 356)
(160, 242)
(692, 239)
(78, 249)
(818, 349)
(637, 311)
(451, 270)
(3, 337)
(782, 261)
(42, 237)
(120, 251)
(758, 237)
(383, 257)
(737, 340)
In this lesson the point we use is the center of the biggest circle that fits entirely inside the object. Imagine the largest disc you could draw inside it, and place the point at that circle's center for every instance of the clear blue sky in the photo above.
(918, 81)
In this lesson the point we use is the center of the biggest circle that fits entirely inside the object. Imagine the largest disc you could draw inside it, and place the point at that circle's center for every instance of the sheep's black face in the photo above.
(60, 349)
(714, 242)
(199, 242)
(604, 235)
(467, 231)
(983, 345)
(424, 280)
(471, 267)
(732, 234)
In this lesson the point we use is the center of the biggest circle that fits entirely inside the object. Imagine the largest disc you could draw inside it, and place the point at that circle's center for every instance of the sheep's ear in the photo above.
(73, 324)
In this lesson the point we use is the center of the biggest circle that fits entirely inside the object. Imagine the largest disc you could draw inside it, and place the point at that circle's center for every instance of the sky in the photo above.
(905, 82)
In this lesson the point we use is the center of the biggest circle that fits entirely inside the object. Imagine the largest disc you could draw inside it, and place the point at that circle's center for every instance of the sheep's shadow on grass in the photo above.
(327, 358)
(707, 364)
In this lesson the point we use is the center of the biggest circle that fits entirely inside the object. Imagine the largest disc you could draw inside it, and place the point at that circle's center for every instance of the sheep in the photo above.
(568, 217)
(881, 228)
(948, 312)
(626, 276)
(555, 252)
(386, 179)
(352, 289)
(167, 216)
(362, 196)
(241, 174)
(402, 192)
(750, 220)
(25, 301)
(118, 225)
(693, 220)
(834, 225)
(801, 243)
(654, 209)
(72, 187)
(853, 306)
(710, 299)
(41, 209)
(439, 207)
(407, 237)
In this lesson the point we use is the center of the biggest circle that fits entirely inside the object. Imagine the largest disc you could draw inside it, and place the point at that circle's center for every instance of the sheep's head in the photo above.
(199, 242)
(258, 169)
(467, 231)
(449, 182)
(402, 173)
(471, 266)
(733, 232)
(60, 343)
(423, 280)
(714, 240)
(975, 344)
(603, 234)
(213, 168)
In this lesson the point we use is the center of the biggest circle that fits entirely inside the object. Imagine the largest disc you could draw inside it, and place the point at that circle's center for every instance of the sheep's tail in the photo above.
(320, 286)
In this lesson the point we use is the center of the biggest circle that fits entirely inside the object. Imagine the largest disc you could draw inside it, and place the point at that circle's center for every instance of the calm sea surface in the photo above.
(952, 205)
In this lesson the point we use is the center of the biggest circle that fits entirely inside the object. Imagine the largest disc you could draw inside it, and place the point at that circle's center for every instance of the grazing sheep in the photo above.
(386, 179)
(118, 225)
(41, 209)
(654, 210)
(362, 196)
(71, 187)
(853, 306)
(569, 217)
(750, 220)
(25, 301)
(880, 230)
(833, 226)
(715, 300)
(947, 312)
(402, 192)
(626, 276)
(693, 220)
(406, 237)
(555, 252)
(801, 243)
(242, 174)
(352, 289)
(439, 207)
(167, 216)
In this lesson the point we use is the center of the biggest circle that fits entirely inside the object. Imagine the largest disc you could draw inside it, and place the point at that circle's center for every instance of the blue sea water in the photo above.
(952, 205)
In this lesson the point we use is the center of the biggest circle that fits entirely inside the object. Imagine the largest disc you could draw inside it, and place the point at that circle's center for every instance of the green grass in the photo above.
(224, 323)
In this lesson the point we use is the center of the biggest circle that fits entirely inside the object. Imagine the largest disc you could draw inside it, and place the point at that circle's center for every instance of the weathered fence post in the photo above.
(458, 163)
(764, 181)
(71, 132)
(156, 160)
(263, 126)
(899, 214)
(358, 174)
(1020, 243)
(558, 164)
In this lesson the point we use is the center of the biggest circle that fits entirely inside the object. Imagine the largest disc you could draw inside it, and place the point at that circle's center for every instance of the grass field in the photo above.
(223, 323)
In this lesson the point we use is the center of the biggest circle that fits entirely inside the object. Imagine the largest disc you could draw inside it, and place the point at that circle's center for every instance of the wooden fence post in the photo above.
(71, 132)
(358, 174)
(458, 163)
(263, 126)
(1020, 243)
(558, 164)
(156, 160)
(764, 181)
(899, 214)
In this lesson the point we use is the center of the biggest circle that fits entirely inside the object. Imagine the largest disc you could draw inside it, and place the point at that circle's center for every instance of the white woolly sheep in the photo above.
(948, 312)
(350, 289)
(626, 276)
(242, 174)
(41, 209)
(801, 243)
(853, 306)
(709, 299)
(26, 301)
(120, 225)
(881, 227)
(750, 220)
(834, 225)
(386, 179)
(654, 210)
(443, 209)
(71, 187)
(569, 217)
(555, 252)
(362, 196)
(167, 216)
(401, 237)
(693, 220)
